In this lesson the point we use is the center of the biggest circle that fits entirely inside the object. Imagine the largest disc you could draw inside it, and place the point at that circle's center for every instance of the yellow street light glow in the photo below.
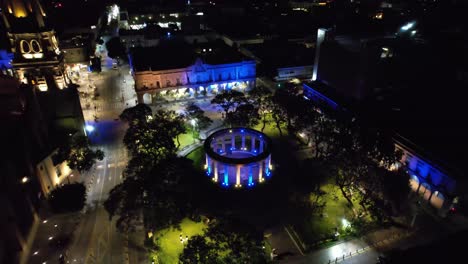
(50, 238)
(24, 179)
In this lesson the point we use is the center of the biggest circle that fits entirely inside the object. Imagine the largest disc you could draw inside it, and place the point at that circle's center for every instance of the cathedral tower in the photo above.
(37, 58)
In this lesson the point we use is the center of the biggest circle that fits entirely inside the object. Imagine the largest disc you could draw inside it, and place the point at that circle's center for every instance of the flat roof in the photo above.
(179, 54)
(282, 54)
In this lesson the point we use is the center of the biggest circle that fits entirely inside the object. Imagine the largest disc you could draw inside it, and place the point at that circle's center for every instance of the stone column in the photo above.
(253, 144)
(214, 144)
(223, 143)
(215, 167)
(140, 97)
(233, 141)
(238, 167)
(243, 141)
(261, 146)
(260, 171)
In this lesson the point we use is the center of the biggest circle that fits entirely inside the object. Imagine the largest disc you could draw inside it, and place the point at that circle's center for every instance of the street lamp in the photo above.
(24, 179)
(194, 123)
(89, 128)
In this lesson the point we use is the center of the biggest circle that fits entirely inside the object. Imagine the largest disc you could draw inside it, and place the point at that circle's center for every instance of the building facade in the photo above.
(428, 177)
(37, 59)
(196, 79)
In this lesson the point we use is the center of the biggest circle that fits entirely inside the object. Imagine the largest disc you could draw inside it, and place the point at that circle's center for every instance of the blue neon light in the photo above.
(242, 130)
(225, 183)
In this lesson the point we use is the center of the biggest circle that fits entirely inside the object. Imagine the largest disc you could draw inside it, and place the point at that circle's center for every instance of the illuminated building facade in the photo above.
(431, 179)
(237, 157)
(190, 70)
(37, 58)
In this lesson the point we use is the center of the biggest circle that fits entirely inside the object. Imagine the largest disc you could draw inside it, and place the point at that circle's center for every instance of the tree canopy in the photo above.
(225, 241)
(195, 113)
(68, 198)
(78, 154)
(229, 100)
(154, 186)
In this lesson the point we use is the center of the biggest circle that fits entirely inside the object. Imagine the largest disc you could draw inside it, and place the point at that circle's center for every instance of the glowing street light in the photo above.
(89, 128)
(24, 179)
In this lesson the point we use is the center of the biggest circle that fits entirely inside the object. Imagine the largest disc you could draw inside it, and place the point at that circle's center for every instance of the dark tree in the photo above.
(138, 113)
(199, 250)
(171, 122)
(227, 241)
(246, 115)
(292, 104)
(260, 97)
(78, 154)
(68, 198)
(229, 100)
(115, 48)
(195, 113)
(278, 114)
(396, 187)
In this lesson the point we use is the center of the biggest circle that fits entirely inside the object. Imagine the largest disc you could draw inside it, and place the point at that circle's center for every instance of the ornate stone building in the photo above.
(37, 58)
(184, 69)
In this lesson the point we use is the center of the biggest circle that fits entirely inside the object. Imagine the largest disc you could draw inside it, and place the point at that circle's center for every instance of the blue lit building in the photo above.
(433, 179)
(183, 69)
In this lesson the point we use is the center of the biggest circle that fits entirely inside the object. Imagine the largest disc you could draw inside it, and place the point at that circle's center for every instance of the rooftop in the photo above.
(280, 54)
(179, 54)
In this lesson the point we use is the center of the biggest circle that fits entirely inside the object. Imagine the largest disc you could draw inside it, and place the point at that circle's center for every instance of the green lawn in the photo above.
(336, 209)
(169, 240)
(271, 130)
(198, 157)
(185, 140)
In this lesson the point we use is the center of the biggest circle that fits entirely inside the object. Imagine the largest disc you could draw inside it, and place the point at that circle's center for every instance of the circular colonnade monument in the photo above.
(238, 157)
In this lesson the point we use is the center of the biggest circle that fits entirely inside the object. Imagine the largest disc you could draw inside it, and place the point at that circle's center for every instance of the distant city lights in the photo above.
(408, 26)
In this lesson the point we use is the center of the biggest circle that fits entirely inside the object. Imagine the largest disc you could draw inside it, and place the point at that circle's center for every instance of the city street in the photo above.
(96, 238)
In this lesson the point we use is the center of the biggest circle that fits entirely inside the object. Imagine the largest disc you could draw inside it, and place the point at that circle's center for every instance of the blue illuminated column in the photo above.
(226, 176)
(233, 141)
(243, 141)
(261, 146)
(253, 144)
(208, 166)
(250, 175)
(224, 144)
(214, 144)
(267, 167)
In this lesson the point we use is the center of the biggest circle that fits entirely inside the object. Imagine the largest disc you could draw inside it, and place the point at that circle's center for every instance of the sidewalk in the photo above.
(347, 248)
(52, 230)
